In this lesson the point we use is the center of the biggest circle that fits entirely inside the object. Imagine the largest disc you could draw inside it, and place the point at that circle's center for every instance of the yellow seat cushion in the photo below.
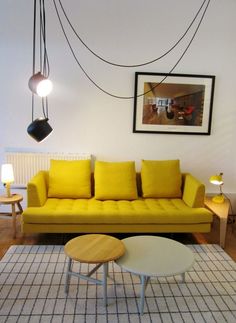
(92, 211)
(115, 180)
(70, 179)
(161, 179)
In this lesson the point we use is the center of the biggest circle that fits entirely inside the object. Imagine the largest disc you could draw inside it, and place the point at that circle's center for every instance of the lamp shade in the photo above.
(7, 175)
(39, 129)
(39, 84)
(216, 179)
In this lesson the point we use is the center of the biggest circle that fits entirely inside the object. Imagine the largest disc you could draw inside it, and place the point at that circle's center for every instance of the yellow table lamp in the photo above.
(7, 177)
(218, 180)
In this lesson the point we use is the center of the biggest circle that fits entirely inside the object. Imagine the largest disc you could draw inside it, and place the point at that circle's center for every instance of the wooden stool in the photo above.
(93, 249)
(13, 200)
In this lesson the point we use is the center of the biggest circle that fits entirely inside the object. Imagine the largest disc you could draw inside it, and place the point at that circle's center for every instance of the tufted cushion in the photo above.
(161, 178)
(69, 179)
(115, 180)
(140, 211)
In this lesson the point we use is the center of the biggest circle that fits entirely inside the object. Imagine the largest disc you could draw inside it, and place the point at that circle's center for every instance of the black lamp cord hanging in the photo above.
(133, 65)
(120, 65)
(33, 70)
(43, 56)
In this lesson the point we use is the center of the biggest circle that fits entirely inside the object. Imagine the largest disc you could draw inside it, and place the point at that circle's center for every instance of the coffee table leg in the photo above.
(13, 207)
(68, 275)
(144, 282)
(104, 282)
(183, 277)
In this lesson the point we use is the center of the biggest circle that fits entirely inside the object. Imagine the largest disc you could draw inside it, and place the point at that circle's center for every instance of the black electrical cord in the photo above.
(45, 68)
(43, 56)
(133, 65)
(34, 37)
(45, 107)
(33, 68)
(32, 105)
(139, 95)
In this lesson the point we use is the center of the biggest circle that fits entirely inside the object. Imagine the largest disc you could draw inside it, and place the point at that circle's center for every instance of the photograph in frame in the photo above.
(173, 103)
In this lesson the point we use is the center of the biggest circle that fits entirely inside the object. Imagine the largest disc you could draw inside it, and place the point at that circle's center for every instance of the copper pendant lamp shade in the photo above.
(40, 85)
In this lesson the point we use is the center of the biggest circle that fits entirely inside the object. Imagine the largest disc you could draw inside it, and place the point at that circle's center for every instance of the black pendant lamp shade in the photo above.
(39, 129)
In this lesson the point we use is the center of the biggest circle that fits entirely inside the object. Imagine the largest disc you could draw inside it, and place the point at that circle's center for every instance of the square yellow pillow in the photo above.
(161, 178)
(70, 179)
(115, 180)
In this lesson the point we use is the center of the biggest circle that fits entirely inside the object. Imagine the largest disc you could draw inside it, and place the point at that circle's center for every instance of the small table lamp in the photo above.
(7, 177)
(217, 180)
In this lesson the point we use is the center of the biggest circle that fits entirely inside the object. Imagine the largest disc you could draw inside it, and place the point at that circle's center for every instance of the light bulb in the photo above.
(44, 87)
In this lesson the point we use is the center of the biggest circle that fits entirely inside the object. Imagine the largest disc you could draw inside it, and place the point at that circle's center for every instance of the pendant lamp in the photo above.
(40, 85)
(39, 129)
(39, 82)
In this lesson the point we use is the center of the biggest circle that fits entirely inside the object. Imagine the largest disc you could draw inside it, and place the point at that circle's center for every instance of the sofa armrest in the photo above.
(37, 189)
(193, 191)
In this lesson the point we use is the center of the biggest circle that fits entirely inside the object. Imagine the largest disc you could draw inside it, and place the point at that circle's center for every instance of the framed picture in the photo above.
(173, 103)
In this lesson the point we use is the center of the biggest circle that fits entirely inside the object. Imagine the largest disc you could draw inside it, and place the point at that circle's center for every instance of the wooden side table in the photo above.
(93, 249)
(13, 200)
(221, 210)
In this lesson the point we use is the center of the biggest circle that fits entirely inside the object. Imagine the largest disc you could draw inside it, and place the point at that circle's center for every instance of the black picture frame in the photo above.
(173, 103)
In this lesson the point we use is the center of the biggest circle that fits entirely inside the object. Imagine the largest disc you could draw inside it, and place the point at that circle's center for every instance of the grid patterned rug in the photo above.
(32, 290)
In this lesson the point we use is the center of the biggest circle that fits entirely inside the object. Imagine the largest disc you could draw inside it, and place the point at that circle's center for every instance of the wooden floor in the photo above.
(6, 239)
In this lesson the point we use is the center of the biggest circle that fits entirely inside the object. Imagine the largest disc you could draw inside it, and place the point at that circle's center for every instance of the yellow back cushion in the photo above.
(161, 178)
(115, 180)
(70, 179)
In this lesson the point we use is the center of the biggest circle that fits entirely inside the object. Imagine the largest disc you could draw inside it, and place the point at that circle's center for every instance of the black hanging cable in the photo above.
(133, 65)
(191, 40)
(45, 62)
(40, 37)
(184, 52)
(34, 37)
(32, 104)
(45, 67)
(45, 107)
(142, 94)
(33, 68)
(43, 57)
(44, 39)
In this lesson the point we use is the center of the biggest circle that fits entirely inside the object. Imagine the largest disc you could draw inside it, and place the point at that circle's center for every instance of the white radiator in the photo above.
(26, 165)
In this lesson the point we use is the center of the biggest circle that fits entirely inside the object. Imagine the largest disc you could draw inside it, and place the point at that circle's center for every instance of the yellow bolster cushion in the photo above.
(115, 180)
(161, 178)
(70, 179)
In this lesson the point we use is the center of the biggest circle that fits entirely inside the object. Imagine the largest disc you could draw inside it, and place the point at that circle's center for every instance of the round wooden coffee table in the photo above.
(149, 256)
(93, 249)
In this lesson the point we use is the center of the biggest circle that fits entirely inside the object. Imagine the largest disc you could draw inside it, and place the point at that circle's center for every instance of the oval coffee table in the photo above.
(149, 256)
(93, 249)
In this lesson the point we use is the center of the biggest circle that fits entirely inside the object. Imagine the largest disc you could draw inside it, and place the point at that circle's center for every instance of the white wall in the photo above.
(86, 120)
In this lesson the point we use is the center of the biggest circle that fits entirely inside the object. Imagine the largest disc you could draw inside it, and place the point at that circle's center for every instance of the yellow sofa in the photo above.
(91, 214)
